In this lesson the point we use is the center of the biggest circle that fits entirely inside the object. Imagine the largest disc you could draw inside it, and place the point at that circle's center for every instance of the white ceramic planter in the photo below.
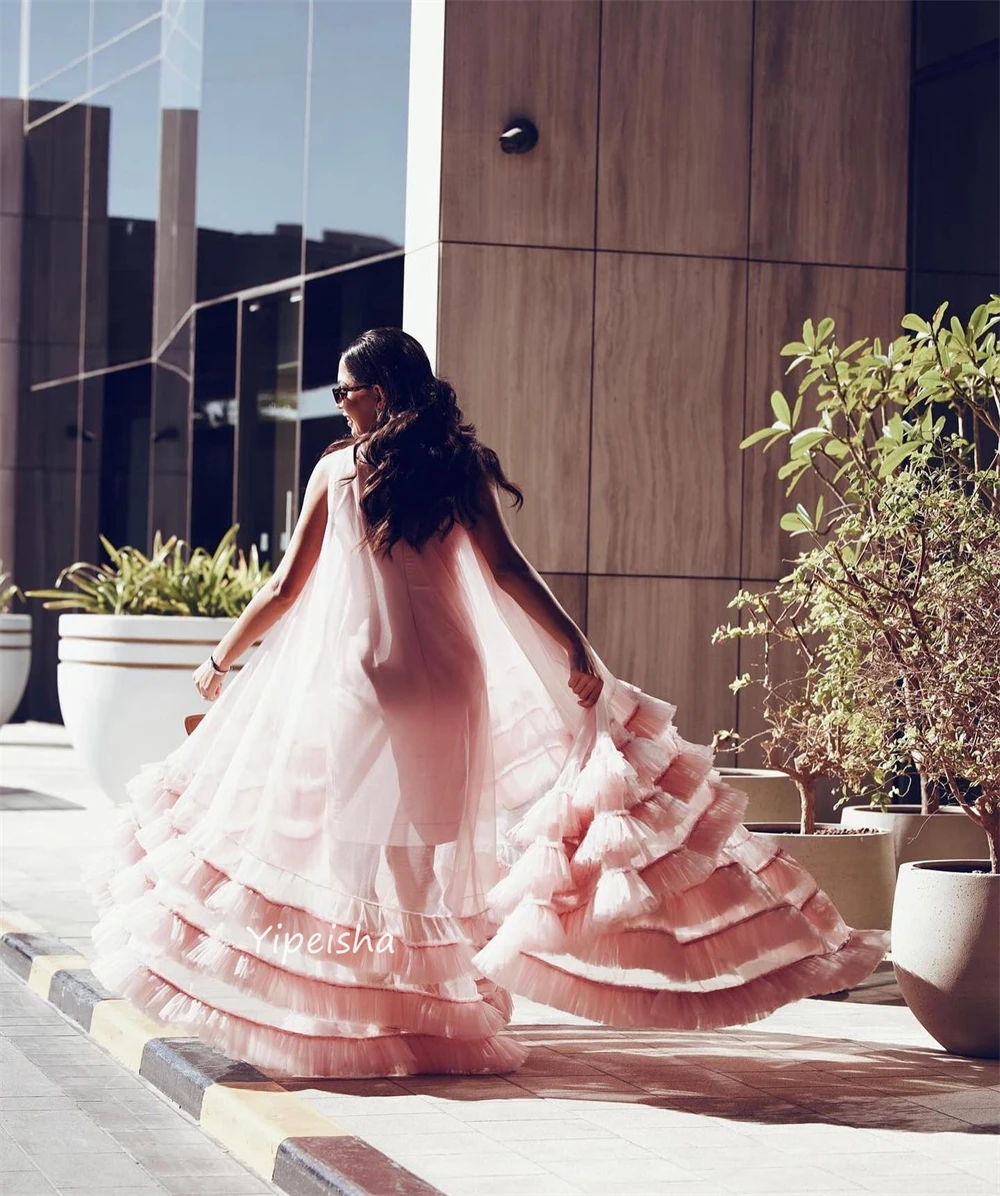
(125, 687)
(773, 795)
(947, 835)
(15, 662)
(946, 952)
(857, 872)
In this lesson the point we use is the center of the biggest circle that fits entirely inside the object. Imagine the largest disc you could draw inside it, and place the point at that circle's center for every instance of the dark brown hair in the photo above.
(428, 465)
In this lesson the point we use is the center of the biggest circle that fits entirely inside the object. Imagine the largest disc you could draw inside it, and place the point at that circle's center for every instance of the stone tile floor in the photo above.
(73, 1120)
(847, 1095)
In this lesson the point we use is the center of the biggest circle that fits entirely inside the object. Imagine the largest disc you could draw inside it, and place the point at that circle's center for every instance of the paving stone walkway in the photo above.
(73, 1120)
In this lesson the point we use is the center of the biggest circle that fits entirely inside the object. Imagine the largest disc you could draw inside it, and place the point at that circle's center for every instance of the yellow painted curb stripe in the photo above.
(251, 1120)
(44, 966)
(12, 921)
(123, 1031)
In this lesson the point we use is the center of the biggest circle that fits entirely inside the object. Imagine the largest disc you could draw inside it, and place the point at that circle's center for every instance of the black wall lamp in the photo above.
(519, 137)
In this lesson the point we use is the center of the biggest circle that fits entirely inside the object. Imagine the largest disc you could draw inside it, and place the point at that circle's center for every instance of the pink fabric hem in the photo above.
(285, 1054)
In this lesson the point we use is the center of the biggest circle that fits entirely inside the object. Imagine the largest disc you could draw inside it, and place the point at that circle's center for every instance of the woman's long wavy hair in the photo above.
(427, 462)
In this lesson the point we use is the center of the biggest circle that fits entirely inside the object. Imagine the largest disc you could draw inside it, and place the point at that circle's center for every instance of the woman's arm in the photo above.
(280, 590)
(516, 576)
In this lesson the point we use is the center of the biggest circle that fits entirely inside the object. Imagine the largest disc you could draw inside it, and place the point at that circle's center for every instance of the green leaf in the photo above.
(915, 323)
(803, 441)
(938, 316)
(791, 522)
(779, 405)
(755, 437)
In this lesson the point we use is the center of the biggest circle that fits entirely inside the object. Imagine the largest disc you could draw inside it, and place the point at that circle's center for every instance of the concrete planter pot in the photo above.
(857, 871)
(773, 795)
(946, 952)
(125, 687)
(15, 662)
(947, 835)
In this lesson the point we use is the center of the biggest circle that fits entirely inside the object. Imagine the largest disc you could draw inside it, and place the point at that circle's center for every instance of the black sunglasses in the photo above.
(341, 392)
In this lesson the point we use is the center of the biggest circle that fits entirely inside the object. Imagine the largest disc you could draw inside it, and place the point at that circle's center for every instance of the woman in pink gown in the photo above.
(425, 791)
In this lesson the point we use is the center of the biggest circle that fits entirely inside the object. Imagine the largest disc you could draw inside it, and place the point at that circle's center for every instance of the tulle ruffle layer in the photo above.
(175, 937)
(641, 899)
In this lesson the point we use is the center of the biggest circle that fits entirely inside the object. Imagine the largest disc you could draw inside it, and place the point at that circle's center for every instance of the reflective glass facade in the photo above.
(206, 198)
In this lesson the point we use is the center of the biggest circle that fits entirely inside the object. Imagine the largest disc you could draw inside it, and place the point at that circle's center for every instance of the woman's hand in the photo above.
(584, 679)
(207, 681)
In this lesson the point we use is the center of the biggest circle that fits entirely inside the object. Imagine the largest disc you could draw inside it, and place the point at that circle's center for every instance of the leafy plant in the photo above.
(893, 615)
(8, 591)
(174, 580)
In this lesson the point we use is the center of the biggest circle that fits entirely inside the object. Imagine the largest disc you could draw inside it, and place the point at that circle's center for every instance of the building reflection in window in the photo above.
(214, 423)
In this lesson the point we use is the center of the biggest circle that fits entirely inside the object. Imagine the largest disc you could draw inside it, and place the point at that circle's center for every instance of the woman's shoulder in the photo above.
(338, 462)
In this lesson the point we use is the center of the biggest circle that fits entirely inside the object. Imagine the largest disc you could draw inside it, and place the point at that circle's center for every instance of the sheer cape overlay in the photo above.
(397, 814)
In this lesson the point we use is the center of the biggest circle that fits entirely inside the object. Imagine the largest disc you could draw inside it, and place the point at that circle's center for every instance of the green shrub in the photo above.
(174, 580)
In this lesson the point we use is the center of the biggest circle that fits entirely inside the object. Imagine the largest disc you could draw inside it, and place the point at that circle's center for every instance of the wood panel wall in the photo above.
(611, 306)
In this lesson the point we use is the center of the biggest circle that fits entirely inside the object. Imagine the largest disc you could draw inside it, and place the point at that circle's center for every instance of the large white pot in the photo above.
(773, 795)
(125, 687)
(946, 952)
(15, 662)
(856, 871)
(947, 835)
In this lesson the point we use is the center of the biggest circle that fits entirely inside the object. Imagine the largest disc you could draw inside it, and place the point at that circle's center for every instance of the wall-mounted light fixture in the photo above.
(520, 136)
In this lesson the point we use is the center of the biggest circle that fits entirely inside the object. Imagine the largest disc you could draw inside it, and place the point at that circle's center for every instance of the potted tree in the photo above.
(905, 587)
(144, 624)
(15, 648)
(807, 714)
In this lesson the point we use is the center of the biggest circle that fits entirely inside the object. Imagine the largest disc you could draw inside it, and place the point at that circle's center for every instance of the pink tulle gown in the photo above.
(397, 814)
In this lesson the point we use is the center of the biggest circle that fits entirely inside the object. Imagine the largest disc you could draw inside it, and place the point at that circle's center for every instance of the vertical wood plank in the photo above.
(657, 633)
(668, 414)
(675, 125)
(830, 120)
(515, 341)
(536, 59)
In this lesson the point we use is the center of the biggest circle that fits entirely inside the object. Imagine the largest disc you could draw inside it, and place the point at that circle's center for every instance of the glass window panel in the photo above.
(124, 202)
(945, 28)
(190, 20)
(60, 34)
(185, 59)
(124, 398)
(65, 87)
(114, 17)
(356, 197)
(53, 243)
(214, 423)
(251, 144)
(10, 47)
(124, 54)
(133, 152)
(171, 400)
(338, 308)
(177, 90)
(47, 431)
(268, 414)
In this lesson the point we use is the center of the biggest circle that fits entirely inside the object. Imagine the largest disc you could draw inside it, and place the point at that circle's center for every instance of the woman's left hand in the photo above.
(207, 681)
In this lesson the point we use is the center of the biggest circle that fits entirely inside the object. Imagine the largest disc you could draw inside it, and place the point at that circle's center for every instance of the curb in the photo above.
(272, 1131)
